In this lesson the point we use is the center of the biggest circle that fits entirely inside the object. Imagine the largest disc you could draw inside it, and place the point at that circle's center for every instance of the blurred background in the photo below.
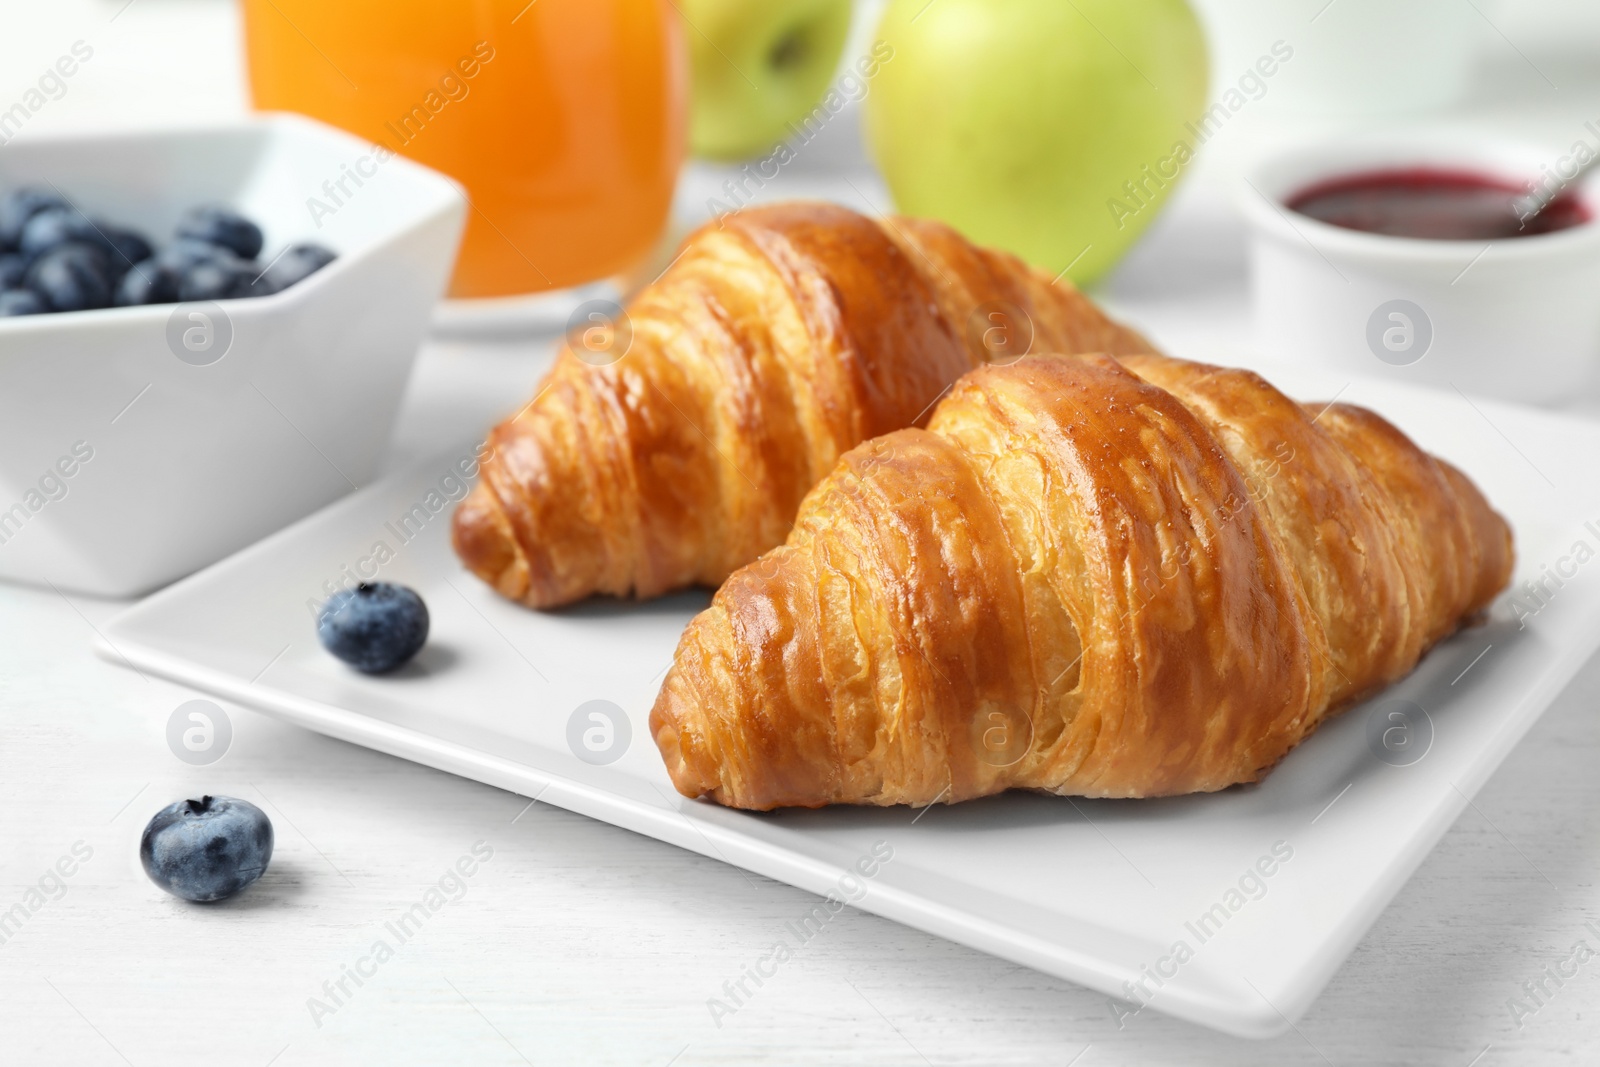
(1524, 67)
(597, 134)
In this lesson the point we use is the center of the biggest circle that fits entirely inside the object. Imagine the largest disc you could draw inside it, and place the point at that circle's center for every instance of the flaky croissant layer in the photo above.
(780, 338)
(1087, 577)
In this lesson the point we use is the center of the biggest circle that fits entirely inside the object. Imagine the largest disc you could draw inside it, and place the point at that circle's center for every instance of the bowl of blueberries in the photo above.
(54, 258)
(198, 343)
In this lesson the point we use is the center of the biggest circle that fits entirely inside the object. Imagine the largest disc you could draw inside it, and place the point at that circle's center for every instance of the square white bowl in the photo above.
(276, 405)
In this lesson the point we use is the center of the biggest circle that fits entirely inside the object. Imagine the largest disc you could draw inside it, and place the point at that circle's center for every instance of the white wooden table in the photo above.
(579, 943)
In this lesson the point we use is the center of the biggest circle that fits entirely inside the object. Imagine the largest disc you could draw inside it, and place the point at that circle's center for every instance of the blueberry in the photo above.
(185, 252)
(216, 279)
(71, 277)
(374, 627)
(128, 247)
(219, 225)
(298, 263)
(15, 302)
(206, 849)
(20, 205)
(13, 268)
(149, 282)
(56, 226)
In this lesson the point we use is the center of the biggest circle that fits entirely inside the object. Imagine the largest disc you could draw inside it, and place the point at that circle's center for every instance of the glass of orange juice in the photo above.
(564, 119)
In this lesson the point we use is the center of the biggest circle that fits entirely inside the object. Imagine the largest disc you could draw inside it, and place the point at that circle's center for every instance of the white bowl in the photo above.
(140, 444)
(1517, 319)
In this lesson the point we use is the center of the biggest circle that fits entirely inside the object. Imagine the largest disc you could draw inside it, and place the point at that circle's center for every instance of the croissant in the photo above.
(1085, 577)
(779, 339)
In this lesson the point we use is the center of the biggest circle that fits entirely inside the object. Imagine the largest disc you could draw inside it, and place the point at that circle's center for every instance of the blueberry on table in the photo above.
(14, 302)
(20, 205)
(223, 226)
(71, 277)
(296, 264)
(207, 849)
(149, 282)
(375, 627)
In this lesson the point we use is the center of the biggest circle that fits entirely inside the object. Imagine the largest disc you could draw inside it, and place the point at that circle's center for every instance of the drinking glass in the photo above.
(563, 119)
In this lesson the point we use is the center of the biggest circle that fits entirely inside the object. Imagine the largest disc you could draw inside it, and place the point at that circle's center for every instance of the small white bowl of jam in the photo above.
(1405, 257)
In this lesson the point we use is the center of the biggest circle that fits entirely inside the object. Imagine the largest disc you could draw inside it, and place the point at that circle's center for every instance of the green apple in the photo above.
(1048, 128)
(757, 66)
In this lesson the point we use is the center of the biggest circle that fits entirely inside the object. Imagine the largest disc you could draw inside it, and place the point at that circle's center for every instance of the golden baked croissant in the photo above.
(1085, 577)
(777, 341)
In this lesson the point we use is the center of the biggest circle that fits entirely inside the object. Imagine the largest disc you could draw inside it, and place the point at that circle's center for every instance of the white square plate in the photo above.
(1099, 892)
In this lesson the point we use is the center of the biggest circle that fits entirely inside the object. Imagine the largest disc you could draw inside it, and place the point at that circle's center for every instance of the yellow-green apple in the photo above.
(757, 66)
(1051, 128)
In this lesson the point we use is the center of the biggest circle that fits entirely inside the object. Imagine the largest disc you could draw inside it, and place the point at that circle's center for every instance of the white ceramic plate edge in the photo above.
(1231, 1007)
(1251, 1017)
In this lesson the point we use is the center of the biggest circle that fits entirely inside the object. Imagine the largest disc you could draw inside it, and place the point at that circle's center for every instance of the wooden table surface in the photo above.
(578, 943)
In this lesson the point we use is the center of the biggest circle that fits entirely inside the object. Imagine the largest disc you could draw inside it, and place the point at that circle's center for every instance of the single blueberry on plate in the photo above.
(375, 627)
(223, 226)
(149, 282)
(207, 849)
(20, 205)
(72, 277)
(296, 264)
(216, 279)
(15, 302)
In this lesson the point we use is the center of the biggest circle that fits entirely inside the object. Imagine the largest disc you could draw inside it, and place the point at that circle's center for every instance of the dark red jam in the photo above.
(1442, 205)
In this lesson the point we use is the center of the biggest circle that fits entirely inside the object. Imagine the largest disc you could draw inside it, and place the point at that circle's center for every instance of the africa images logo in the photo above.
(1399, 333)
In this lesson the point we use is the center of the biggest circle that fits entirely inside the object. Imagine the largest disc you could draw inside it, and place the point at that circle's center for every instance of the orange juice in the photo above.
(564, 119)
